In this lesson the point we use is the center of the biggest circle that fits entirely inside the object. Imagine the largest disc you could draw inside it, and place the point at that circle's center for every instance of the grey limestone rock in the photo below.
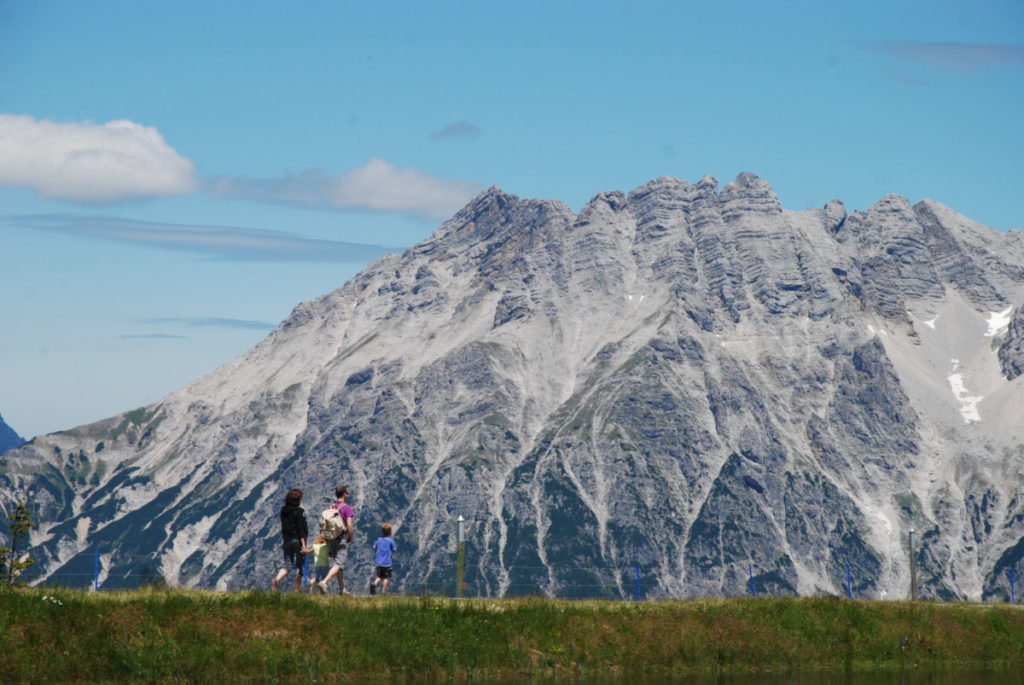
(1011, 351)
(690, 381)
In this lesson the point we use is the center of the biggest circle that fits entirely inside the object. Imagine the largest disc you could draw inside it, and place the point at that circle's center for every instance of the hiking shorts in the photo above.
(383, 572)
(293, 556)
(337, 550)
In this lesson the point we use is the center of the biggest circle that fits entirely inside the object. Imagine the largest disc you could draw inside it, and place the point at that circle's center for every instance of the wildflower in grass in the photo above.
(52, 600)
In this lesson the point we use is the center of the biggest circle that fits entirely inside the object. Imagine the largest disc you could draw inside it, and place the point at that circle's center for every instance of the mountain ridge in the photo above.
(8, 437)
(693, 381)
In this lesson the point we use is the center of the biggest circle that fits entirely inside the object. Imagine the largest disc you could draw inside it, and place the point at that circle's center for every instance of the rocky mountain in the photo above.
(8, 438)
(688, 382)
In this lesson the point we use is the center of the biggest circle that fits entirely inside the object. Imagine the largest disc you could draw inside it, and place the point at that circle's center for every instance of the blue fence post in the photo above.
(1012, 573)
(849, 582)
(637, 591)
(96, 570)
(750, 583)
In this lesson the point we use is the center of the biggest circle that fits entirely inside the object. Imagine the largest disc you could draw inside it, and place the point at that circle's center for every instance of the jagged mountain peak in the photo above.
(491, 216)
(751, 183)
(690, 380)
(615, 200)
(834, 214)
(666, 184)
(8, 438)
(708, 181)
(891, 203)
(750, 193)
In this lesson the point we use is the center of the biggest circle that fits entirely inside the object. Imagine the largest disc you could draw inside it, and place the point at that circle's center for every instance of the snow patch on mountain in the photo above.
(998, 322)
(968, 402)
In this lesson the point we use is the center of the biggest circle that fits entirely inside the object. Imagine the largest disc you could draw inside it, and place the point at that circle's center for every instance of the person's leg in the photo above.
(330, 576)
(384, 587)
(292, 560)
(339, 566)
(298, 564)
(318, 577)
(332, 551)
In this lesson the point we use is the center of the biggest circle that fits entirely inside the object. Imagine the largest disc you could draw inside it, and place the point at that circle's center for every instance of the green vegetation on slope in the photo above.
(184, 636)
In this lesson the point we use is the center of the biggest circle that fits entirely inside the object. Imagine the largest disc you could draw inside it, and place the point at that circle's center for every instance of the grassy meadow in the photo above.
(189, 636)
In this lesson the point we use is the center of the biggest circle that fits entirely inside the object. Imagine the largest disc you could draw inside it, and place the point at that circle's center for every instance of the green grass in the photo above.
(187, 636)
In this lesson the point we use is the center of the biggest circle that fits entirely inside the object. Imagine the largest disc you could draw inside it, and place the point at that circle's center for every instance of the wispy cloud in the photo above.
(152, 336)
(214, 322)
(196, 322)
(90, 163)
(458, 129)
(216, 242)
(377, 185)
(957, 57)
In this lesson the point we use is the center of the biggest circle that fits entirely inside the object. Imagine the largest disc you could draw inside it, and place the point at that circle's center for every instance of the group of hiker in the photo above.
(330, 548)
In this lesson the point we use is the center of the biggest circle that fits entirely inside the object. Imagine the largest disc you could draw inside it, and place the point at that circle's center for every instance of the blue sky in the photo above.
(176, 177)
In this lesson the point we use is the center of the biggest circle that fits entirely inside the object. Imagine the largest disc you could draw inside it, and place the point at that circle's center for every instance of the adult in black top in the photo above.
(294, 532)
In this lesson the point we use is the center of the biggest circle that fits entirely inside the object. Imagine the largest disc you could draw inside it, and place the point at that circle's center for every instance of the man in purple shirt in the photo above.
(337, 549)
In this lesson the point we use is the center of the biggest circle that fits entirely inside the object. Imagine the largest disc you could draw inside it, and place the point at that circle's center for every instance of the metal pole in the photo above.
(96, 570)
(1013, 582)
(849, 582)
(913, 568)
(460, 556)
(637, 592)
(750, 583)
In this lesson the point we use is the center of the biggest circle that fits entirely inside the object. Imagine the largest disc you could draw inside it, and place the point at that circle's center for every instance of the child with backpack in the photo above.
(383, 556)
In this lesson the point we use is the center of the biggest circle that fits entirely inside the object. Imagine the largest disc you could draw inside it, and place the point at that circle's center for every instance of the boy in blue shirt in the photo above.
(383, 551)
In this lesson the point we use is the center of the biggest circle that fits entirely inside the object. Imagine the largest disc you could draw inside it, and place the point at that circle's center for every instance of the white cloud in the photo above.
(377, 185)
(90, 163)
